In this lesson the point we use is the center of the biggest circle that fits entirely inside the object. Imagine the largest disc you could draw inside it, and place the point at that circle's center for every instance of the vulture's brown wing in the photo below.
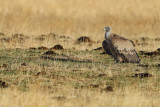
(125, 48)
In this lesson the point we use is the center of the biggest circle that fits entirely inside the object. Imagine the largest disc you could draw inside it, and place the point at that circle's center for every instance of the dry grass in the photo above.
(53, 82)
(35, 81)
(132, 19)
(78, 99)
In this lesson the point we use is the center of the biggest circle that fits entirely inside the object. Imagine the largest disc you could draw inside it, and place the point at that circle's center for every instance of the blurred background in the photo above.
(133, 19)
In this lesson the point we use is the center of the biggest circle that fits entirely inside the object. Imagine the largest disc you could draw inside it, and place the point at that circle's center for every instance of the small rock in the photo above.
(57, 47)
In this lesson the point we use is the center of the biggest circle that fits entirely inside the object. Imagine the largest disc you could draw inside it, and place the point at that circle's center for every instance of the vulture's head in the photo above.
(107, 29)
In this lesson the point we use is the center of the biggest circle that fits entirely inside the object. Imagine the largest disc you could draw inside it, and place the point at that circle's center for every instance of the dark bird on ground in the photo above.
(120, 48)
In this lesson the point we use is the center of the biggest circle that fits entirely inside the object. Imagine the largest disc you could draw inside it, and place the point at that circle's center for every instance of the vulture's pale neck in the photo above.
(107, 34)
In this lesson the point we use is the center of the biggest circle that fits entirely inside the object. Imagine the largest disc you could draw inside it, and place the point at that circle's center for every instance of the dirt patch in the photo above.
(101, 75)
(153, 53)
(24, 64)
(42, 48)
(50, 53)
(20, 38)
(83, 39)
(142, 75)
(57, 47)
(143, 65)
(32, 48)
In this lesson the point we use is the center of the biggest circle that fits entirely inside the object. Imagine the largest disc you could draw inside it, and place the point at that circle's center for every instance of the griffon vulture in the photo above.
(120, 48)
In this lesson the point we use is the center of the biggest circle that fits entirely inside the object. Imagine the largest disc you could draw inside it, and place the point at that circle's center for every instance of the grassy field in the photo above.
(77, 75)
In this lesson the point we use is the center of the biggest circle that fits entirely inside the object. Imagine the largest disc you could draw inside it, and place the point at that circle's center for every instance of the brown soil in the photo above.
(50, 53)
(142, 75)
(42, 48)
(83, 39)
(57, 47)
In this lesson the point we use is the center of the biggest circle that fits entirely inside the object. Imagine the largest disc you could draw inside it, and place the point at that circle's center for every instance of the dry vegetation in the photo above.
(77, 75)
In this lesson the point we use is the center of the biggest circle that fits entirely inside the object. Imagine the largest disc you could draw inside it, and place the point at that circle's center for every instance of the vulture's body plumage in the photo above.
(120, 48)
